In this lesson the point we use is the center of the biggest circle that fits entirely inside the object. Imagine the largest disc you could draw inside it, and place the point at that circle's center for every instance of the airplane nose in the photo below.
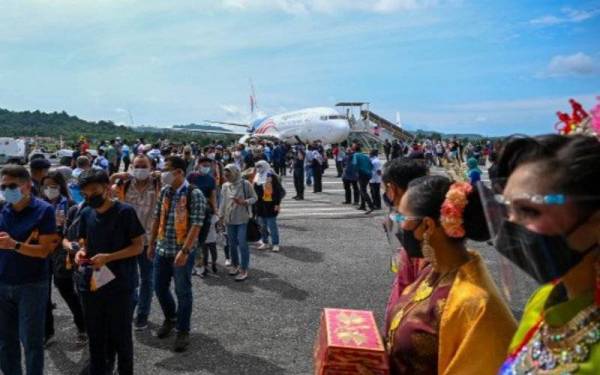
(342, 130)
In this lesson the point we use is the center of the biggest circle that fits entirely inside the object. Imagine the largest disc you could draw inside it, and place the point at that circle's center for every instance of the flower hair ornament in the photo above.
(453, 209)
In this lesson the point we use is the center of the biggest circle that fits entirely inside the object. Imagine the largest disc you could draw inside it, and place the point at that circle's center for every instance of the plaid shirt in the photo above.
(168, 246)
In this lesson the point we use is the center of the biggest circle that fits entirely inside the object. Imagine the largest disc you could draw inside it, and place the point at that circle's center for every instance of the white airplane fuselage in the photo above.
(311, 124)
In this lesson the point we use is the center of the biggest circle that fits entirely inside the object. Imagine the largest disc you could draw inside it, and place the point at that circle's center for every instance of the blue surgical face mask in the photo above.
(12, 196)
(205, 170)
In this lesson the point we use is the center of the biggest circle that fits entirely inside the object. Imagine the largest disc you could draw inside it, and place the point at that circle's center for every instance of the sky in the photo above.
(454, 66)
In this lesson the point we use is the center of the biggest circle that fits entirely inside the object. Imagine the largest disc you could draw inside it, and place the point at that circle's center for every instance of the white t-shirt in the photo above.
(376, 177)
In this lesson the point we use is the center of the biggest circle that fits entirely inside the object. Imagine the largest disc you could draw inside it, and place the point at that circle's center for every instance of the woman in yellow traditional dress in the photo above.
(548, 224)
(451, 320)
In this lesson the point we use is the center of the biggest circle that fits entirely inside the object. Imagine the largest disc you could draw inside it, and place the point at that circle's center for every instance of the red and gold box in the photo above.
(349, 343)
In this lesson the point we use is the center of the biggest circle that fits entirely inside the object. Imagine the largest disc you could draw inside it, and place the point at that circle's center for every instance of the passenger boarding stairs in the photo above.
(393, 129)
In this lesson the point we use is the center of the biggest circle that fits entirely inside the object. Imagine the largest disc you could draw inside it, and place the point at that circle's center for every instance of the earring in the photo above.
(429, 251)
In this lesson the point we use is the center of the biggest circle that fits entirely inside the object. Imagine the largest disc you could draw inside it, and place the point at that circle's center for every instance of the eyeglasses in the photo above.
(549, 199)
(399, 218)
(9, 186)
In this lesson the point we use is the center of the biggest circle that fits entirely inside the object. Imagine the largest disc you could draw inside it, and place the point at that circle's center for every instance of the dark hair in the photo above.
(60, 181)
(176, 162)
(93, 176)
(204, 160)
(520, 149)
(428, 193)
(401, 171)
(16, 171)
(571, 164)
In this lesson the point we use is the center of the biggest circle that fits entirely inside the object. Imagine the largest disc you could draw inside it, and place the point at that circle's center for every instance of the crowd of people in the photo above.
(113, 230)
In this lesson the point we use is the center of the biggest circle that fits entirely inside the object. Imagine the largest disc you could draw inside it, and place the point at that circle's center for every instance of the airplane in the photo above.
(307, 125)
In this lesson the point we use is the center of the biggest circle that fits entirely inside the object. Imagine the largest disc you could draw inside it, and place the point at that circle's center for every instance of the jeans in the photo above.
(164, 271)
(143, 295)
(299, 182)
(309, 174)
(363, 182)
(108, 317)
(269, 226)
(22, 313)
(351, 188)
(66, 288)
(238, 245)
(375, 194)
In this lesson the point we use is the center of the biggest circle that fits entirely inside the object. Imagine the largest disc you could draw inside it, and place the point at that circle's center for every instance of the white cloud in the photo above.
(578, 64)
(568, 15)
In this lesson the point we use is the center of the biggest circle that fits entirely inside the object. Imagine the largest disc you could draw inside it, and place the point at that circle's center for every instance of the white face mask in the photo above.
(141, 173)
(52, 193)
(167, 178)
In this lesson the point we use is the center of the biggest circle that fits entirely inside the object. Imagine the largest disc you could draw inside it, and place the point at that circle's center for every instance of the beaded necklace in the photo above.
(557, 350)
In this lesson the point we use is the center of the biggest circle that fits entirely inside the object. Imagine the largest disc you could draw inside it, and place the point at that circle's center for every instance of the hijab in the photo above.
(263, 170)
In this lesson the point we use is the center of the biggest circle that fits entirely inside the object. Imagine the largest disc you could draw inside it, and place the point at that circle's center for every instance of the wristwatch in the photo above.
(18, 245)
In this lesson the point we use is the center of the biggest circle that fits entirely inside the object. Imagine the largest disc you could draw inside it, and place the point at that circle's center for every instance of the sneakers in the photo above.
(263, 246)
(227, 262)
(166, 328)
(243, 275)
(182, 341)
(275, 248)
(234, 271)
(141, 323)
(214, 267)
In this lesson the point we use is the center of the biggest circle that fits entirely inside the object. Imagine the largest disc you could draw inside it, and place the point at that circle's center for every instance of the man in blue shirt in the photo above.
(27, 237)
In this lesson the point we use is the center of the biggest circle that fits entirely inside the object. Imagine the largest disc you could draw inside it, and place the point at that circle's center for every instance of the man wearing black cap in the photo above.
(39, 169)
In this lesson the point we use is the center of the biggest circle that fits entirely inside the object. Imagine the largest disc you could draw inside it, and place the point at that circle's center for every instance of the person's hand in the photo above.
(6, 242)
(99, 260)
(80, 256)
(151, 251)
(180, 259)
(276, 208)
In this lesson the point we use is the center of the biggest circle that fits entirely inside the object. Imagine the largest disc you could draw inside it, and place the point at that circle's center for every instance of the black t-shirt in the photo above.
(110, 232)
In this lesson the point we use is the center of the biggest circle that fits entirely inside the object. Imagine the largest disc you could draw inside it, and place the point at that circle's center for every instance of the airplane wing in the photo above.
(238, 133)
(227, 123)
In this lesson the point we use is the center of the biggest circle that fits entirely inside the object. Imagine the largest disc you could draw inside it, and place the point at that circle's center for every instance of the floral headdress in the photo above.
(579, 122)
(453, 209)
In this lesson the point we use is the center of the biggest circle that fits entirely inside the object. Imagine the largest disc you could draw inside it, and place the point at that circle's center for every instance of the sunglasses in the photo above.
(9, 186)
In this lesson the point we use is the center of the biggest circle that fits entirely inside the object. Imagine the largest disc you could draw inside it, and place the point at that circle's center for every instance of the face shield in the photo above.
(537, 237)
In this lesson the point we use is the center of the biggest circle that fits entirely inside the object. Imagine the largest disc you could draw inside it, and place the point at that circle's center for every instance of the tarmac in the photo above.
(331, 256)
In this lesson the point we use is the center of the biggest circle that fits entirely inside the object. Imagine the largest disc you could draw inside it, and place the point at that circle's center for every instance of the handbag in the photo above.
(253, 229)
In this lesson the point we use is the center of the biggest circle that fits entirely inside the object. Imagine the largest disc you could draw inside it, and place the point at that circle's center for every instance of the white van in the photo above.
(13, 151)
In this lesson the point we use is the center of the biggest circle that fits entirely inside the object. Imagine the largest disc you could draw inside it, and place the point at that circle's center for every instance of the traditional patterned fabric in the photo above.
(464, 327)
(413, 346)
(549, 308)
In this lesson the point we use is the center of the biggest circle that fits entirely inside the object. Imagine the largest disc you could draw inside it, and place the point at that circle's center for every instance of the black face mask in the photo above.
(95, 201)
(544, 258)
(411, 245)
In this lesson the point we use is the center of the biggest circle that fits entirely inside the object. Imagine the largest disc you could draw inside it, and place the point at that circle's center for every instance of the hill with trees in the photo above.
(71, 128)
